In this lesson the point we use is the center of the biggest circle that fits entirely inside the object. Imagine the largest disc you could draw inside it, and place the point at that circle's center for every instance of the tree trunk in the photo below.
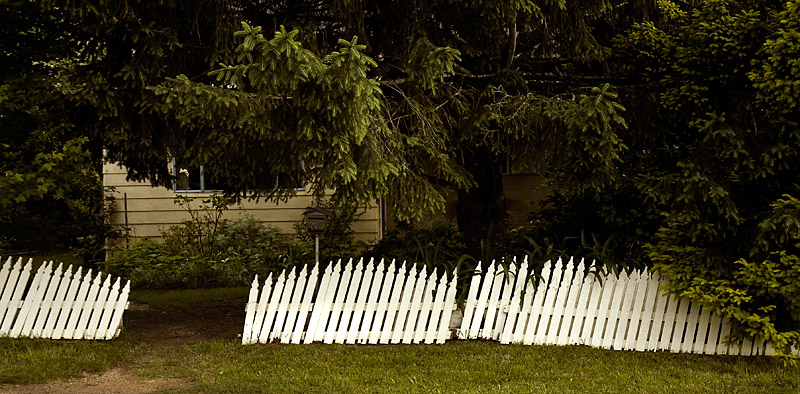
(481, 211)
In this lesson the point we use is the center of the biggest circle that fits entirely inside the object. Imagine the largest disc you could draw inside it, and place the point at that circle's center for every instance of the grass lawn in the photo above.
(217, 366)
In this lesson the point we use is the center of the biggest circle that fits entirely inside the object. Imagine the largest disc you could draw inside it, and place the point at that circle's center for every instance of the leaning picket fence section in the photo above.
(59, 304)
(356, 302)
(567, 307)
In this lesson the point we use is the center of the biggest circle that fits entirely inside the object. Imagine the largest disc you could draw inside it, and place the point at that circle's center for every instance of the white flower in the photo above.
(184, 171)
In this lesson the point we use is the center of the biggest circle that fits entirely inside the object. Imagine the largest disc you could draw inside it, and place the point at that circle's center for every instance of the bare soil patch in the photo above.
(169, 326)
(116, 380)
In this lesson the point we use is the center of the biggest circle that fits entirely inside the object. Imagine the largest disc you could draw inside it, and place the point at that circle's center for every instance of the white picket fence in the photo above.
(59, 304)
(356, 302)
(568, 307)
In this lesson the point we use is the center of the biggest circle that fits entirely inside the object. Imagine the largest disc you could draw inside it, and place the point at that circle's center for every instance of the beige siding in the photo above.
(149, 208)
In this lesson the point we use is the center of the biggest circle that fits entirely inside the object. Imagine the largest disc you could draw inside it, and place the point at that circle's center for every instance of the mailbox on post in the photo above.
(316, 219)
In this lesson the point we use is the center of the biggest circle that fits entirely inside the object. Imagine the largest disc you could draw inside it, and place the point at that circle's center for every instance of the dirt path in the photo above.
(116, 380)
(166, 327)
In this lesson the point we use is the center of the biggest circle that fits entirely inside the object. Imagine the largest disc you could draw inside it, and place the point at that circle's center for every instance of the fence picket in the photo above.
(358, 309)
(470, 306)
(68, 304)
(449, 301)
(437, 308)
(382, 317)
(361, 302)
(47, 307)
(294, 305)
(272, 308)
(336, 311)
(305, 306)
(57, 304)
(620, 311)
(366, 330)
(107, 310)
(30, 307)
(486, 330)
(560, 304)
(393, 308)
(538, 301)
(582, 304)
(647, 317)
(321, 309)
(283, 305)
(10, 302)
(513, 315)
(413, 308)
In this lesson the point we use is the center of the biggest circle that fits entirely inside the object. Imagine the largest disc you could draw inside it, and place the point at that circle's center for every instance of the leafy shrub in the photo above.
(203, 252)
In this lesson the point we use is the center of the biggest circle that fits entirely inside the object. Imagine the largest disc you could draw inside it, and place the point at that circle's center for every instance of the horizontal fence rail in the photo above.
(354, 302)
(569, 307)
(59, 304)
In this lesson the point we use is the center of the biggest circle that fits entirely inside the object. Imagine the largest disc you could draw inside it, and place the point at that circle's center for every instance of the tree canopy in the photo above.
(670, 126)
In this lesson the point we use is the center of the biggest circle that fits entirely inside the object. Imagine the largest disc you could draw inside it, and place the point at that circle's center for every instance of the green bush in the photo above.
(229, 254)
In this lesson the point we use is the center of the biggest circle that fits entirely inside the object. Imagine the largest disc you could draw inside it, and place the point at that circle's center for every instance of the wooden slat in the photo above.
(582, 305)
(536, 306)
(271, 309)
(392, 311)
(447, 308)
(361, 300)
(305, 306)
(300, 290)
(321, 309)
(560, 303)
(367, 328)
(349, 302)
(513, 317)
(250, 312)
(469, 308)
(341, 292)
(67, 307)
(283, 305)
(10, 302)
(414, 306)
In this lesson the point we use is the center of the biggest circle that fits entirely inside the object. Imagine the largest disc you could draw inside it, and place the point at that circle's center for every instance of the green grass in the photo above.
(37, 360)
(462, 367)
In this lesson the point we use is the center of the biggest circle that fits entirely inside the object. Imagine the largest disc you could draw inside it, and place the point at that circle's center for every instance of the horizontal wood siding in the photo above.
(149, 209)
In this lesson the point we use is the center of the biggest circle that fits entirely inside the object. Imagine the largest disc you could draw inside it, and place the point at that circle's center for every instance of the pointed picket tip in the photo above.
(59, 268)
(68, 272)
(116, 284)
(269, 279)
(78, 273)
(315, 269)
(88, 277)
(99, 278)
(127, 287)
(254, 284)
(29, 264)
(402, 269)
(107, 282)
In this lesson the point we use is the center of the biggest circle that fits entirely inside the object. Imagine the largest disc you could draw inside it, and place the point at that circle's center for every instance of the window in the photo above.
(192, 179)
(195, 179)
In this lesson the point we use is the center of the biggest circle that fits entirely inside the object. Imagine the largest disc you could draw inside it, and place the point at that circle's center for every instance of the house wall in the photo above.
(150, 209)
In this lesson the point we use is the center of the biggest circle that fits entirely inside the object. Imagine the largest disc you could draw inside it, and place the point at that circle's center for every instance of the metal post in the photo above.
(316, 247)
